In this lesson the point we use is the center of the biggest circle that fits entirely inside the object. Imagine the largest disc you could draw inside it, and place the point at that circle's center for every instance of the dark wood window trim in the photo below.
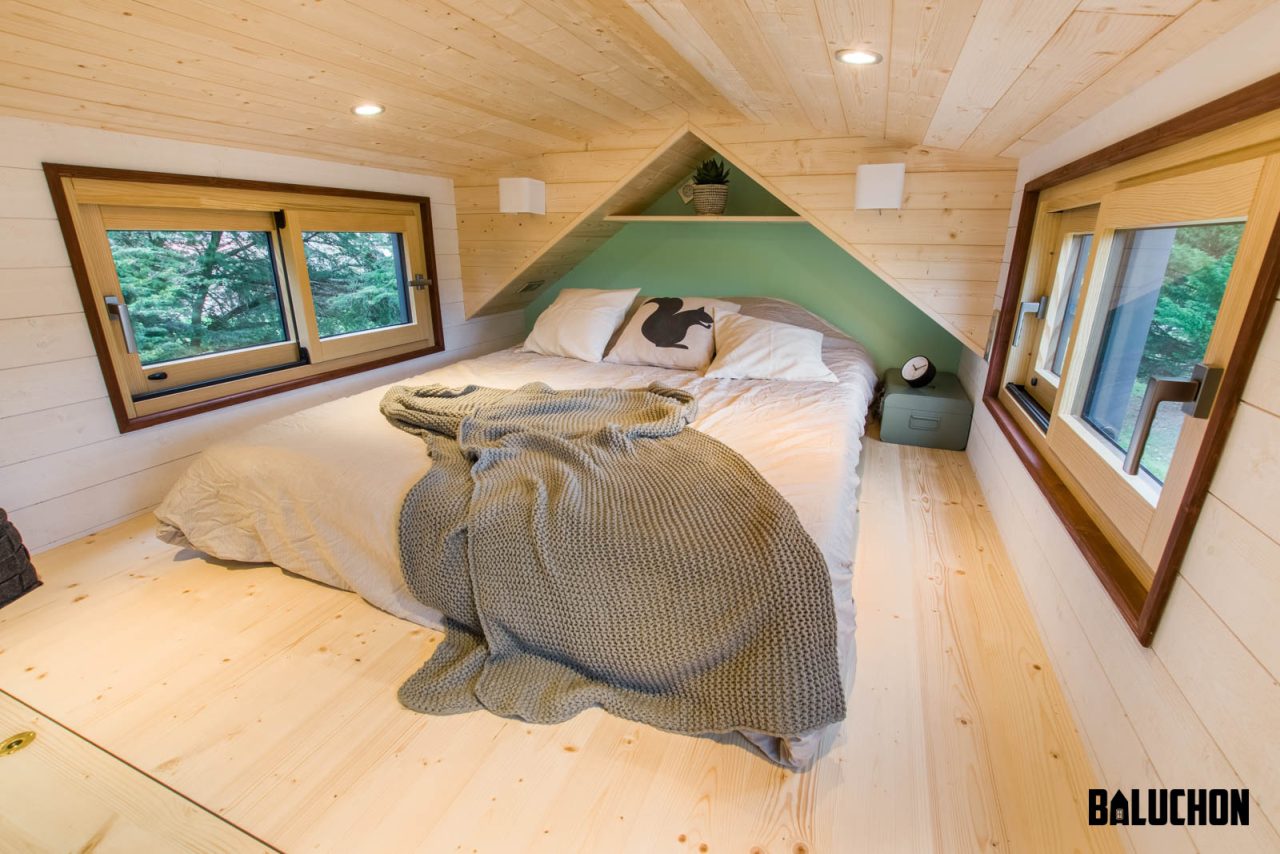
(1141, 609)
(55, 172)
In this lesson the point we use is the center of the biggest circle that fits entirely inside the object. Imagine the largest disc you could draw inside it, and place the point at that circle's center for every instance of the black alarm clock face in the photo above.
(918, 371)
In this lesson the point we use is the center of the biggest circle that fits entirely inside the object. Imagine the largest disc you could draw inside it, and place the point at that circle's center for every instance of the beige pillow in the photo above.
(579, 323)
(671, 332)
(750, 348)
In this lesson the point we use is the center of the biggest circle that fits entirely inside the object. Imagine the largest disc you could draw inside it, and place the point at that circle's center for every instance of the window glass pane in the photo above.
(1166, 285)
(193, 293)
(1077, 258)
(357, 280)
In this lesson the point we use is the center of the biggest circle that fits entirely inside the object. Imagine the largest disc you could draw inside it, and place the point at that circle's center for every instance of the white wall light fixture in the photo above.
(522, 195)
(879, 186)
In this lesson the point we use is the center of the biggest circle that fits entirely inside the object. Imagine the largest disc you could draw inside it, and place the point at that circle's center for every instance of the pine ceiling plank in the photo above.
(794, 33)
(618, 32)
(163, 48)
(1137, 7)
(262, 35)
(1087, 46)
(527, 30)
(773, 132)
(592, 47)
(926, 41)
(523, 60)
(863, 91)
(134, 26)
(735, 28)
(352, 35)
(43, 106)
(227, 104)
(1006, 36)
(675, 22)
(1200, 24)
(21, 78)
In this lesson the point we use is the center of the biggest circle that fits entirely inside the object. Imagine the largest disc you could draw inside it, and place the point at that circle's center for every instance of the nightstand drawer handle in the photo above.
(917, 422)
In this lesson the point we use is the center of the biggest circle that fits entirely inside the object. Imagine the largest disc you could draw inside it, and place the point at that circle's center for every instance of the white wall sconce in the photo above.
(522, 195)
(879, 186)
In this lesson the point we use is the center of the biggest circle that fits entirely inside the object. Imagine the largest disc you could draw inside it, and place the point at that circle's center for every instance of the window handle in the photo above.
(1196, 396)
(1037, 307)
(420, 282)
(117, 309)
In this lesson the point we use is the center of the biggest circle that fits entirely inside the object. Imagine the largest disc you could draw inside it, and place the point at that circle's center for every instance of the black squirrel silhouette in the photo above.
(667, 326)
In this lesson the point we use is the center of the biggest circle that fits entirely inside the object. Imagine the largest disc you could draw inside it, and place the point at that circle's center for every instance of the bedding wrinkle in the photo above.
(680, 570)
(242, 499)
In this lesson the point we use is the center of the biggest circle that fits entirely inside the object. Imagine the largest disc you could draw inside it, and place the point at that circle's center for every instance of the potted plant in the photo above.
(710, 188)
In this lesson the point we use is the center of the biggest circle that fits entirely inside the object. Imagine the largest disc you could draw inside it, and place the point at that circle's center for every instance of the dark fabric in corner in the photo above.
(17, 574)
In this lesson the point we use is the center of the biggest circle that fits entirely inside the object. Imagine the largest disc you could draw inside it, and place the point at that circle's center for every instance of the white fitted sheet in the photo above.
(318, 492)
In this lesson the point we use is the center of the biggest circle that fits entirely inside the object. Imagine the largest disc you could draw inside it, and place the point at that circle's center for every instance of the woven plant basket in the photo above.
(709, 199)
(17, 575)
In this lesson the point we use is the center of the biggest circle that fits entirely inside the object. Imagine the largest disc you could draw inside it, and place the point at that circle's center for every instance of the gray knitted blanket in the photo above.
(588, 550)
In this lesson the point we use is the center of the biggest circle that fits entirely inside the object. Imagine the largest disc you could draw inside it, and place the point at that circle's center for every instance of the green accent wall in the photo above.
(791, 261)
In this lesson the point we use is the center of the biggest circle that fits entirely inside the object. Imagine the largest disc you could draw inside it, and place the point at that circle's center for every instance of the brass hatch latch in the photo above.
(16, 742)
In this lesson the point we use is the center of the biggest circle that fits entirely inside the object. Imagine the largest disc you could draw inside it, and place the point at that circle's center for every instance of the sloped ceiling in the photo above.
(475, 84)
(942, 250)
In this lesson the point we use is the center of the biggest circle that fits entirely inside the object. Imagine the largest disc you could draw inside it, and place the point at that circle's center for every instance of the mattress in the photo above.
(318, 493)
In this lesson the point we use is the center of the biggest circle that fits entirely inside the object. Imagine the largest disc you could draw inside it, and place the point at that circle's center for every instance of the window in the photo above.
(196, 293)
(1165, 287)
(1047, 320)
(202, 292)
(1126, 318)
(1078, 254)
(357, 280)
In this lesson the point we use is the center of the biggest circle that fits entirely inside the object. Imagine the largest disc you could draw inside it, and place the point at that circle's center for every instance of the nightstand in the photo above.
(933, 416)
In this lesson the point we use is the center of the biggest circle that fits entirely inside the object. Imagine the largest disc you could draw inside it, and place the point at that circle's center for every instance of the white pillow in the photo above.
(751, 348)
(580, 323)
(671, 332)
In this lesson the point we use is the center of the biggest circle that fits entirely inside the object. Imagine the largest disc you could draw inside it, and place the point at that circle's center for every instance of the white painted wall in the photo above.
(64, 468)
(1201, 708)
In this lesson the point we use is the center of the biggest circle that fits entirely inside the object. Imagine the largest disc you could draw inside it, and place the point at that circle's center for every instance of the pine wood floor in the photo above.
(270, 701)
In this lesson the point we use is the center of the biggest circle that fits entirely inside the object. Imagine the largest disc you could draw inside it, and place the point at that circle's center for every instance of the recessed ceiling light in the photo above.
(859, 56)
(369, 109)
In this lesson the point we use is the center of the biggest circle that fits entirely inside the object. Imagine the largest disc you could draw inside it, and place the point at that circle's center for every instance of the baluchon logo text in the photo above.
(1170, 806)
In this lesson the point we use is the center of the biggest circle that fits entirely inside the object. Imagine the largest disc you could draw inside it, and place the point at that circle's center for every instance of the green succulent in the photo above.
(711, 172)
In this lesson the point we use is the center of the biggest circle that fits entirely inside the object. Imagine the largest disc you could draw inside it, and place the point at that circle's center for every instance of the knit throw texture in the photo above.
(587, 548)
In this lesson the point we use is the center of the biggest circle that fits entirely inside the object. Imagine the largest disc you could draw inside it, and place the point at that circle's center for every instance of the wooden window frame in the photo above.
(1140, 607)
(1044, 332)
(288, 378)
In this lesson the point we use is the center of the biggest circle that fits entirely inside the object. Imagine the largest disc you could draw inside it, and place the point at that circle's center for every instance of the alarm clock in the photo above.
(918, 371)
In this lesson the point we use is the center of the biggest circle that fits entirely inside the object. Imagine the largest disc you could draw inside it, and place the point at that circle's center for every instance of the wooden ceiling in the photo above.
(471, 85)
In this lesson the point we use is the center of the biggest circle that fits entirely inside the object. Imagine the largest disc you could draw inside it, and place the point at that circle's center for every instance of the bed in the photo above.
(319, 492)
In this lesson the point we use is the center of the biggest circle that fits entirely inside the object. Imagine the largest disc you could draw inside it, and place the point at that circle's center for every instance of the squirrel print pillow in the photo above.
(671, 332)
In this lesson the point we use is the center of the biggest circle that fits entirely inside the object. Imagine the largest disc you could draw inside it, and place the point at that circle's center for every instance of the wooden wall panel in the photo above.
(503, 252)
(951, 229)
(1198, 708)
(64, 468)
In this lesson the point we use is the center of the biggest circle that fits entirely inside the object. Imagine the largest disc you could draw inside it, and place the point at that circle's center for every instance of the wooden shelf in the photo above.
(695, 218)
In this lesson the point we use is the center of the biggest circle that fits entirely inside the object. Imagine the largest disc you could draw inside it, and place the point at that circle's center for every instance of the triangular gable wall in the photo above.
(942, 250)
